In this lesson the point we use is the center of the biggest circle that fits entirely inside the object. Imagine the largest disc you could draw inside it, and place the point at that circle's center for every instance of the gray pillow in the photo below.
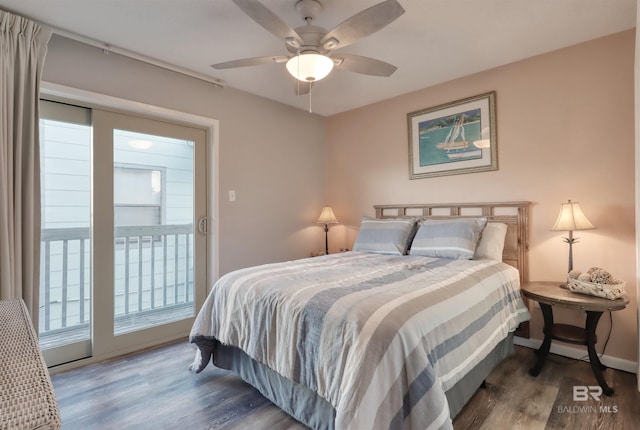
(451, 238)
(385, 236)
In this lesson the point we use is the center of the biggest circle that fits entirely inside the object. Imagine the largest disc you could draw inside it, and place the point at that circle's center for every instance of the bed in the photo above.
(396, 334)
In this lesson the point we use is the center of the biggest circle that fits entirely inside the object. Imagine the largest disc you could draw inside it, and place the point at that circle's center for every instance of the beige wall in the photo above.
(272, 155)
(565, 131)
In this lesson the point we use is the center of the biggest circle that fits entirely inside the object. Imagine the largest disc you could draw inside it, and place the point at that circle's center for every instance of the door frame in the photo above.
(211, 126)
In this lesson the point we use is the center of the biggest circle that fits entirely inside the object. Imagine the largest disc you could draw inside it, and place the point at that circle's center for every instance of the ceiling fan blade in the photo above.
(301, 88)
(362, 24)
(364, 65)
(268, 20)
(255, 61)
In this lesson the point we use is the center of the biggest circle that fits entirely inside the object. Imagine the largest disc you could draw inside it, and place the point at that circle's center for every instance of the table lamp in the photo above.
(327, 217)
(571, 218)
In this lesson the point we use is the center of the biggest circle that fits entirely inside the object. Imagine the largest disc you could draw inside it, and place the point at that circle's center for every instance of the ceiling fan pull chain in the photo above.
(298, 65)
(310, 89)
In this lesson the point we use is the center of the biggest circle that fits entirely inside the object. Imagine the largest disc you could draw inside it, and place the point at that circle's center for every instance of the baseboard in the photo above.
(575, 353)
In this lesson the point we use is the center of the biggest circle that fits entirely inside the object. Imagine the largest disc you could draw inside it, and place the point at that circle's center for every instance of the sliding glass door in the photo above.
(134, 259)
(150, 192)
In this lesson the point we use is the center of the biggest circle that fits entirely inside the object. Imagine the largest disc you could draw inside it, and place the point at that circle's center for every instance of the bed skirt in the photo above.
(317, 413)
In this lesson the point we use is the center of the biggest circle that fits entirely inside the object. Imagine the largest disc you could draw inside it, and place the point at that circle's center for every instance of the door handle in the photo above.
(203, 225)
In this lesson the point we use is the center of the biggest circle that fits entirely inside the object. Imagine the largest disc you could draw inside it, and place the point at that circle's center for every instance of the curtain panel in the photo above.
(23, 46)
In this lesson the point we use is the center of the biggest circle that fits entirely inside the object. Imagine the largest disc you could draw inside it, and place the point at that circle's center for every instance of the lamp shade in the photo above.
(309, 66)
(572, 218)
(327, 216)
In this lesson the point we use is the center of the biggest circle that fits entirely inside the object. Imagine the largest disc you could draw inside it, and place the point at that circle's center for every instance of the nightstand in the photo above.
(550, 295)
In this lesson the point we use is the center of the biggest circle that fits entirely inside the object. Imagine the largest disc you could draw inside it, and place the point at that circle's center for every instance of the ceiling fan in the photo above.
(312, 49)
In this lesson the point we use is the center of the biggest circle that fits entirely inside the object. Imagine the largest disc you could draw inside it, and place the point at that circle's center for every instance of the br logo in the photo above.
(582, 393)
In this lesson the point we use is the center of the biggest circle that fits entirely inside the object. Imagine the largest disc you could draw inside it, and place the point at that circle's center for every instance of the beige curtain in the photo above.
(23, 45)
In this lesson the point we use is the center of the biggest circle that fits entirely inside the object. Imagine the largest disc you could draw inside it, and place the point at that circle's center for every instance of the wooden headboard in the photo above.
(514, 214)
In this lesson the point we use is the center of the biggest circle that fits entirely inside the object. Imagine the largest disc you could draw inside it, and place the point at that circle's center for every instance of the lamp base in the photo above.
(326, 239)
(570, 240)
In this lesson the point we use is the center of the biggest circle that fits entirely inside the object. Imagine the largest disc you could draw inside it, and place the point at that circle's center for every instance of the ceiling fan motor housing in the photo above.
(308, 9)
(311, 35)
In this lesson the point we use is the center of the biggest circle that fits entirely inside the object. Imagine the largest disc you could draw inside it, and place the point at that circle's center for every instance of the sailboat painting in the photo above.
(458, 137)
(450, 139)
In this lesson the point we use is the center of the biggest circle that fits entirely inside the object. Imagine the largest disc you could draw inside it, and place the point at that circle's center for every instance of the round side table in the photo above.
(551, 295)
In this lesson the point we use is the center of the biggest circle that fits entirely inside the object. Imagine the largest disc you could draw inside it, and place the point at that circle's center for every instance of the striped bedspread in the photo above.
(380, 337)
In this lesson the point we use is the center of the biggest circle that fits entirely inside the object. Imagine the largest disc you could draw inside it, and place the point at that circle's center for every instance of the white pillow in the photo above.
(491, 243)
(448, 238)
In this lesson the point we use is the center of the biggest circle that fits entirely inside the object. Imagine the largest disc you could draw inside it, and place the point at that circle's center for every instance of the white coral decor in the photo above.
(575, 274)
(584, 277)
(600, 276)
(596, 282)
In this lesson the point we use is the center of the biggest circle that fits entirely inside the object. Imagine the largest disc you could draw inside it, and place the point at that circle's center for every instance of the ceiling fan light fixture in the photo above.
(309, 67)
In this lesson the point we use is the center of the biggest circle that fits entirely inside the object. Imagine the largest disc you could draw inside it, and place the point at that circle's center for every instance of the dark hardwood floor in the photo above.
(154, 390)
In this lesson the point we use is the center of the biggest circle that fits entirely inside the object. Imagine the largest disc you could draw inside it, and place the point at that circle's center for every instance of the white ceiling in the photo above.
(433, 42)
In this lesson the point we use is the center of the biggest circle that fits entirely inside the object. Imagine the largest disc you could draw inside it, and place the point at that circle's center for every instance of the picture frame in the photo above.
(454, 138)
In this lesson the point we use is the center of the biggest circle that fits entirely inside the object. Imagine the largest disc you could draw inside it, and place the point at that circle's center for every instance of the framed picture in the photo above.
(454, 138)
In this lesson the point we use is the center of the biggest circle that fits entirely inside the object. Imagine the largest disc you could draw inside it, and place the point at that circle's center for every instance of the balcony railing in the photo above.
(153, 276)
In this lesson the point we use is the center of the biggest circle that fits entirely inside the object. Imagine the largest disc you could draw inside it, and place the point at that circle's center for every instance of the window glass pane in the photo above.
(65, 257)
(153, 217)
(137, 186)
(137, 196)
(137, 215)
